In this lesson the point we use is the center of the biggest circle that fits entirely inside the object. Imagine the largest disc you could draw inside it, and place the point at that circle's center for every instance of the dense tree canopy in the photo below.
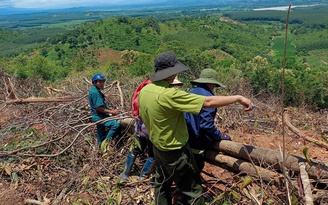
(199, 42)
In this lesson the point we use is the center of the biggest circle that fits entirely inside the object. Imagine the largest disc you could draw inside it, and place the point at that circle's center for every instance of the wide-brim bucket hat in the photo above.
(166, 64)
(208, 75)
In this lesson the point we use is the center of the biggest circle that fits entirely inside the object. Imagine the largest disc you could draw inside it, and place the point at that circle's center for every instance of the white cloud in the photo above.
(54, 3)
(5, 3)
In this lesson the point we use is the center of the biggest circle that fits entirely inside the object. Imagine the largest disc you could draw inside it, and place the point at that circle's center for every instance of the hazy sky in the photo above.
(63, 3)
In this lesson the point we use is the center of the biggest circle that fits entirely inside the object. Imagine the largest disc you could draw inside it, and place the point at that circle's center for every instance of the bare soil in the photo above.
(106, 55)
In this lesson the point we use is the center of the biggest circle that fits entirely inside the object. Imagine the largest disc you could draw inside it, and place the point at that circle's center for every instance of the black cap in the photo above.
(166, 64)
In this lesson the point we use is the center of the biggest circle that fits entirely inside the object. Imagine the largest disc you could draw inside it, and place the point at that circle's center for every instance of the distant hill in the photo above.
(13, 11)
(183, 3)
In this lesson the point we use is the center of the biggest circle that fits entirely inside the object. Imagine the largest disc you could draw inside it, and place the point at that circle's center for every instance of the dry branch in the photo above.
(270, 158)
(87, 81)
(68, 185)
(32, 201)
(11, 90)
(36, 100)
(52, 90)
(306, 184)
(2, 154)
(121, 95)
(125, 121)
(300, 134)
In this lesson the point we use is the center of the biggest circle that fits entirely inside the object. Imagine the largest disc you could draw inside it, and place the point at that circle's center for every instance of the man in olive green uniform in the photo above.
(161, 109)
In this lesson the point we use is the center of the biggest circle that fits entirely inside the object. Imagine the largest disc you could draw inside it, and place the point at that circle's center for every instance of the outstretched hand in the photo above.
(224, 136)
(247, 103)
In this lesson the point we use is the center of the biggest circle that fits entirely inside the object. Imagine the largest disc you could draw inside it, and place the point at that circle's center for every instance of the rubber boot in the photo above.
(147, 168)
(128, 165)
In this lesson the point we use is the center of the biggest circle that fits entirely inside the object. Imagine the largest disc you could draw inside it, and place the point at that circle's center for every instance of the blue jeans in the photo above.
(113, 128)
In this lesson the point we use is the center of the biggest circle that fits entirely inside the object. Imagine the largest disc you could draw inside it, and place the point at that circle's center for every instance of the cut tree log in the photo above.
(267, 157)
(127, 123)
(239, 165)
(260, 156)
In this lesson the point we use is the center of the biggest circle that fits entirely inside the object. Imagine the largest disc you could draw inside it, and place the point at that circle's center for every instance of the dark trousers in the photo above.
(178, 166)
(200, 161)
(109, 129)
(141, 143)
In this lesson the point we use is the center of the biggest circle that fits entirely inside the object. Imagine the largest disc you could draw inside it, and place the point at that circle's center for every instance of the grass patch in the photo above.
(321, 54)
(278, 47)
(63, 25)
(318, 58)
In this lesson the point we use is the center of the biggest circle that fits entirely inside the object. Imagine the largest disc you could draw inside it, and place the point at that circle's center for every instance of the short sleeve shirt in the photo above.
(96, 99)
(161, 109)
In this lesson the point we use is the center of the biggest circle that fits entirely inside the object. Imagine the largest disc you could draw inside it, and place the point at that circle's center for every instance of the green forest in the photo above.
(246, 46)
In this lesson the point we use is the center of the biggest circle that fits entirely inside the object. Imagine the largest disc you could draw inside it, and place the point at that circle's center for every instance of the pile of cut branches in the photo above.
(49, 153)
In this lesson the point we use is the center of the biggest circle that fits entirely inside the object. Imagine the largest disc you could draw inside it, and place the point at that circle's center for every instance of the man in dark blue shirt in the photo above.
(201, 128)
(99, 110)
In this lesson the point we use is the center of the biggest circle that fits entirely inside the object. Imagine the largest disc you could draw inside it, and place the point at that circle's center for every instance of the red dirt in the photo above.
(106, 55)
(9, 196)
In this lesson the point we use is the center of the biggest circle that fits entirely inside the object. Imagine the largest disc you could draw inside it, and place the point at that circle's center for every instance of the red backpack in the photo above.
(135, 103)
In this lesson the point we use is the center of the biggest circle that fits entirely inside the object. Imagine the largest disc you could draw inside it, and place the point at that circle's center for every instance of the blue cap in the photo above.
(98, 77)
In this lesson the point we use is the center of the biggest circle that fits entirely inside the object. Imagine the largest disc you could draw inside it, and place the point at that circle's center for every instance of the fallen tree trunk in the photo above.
(34, 100)
(239, 165)
(260, 156)
(267, 157)
(127, 123)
